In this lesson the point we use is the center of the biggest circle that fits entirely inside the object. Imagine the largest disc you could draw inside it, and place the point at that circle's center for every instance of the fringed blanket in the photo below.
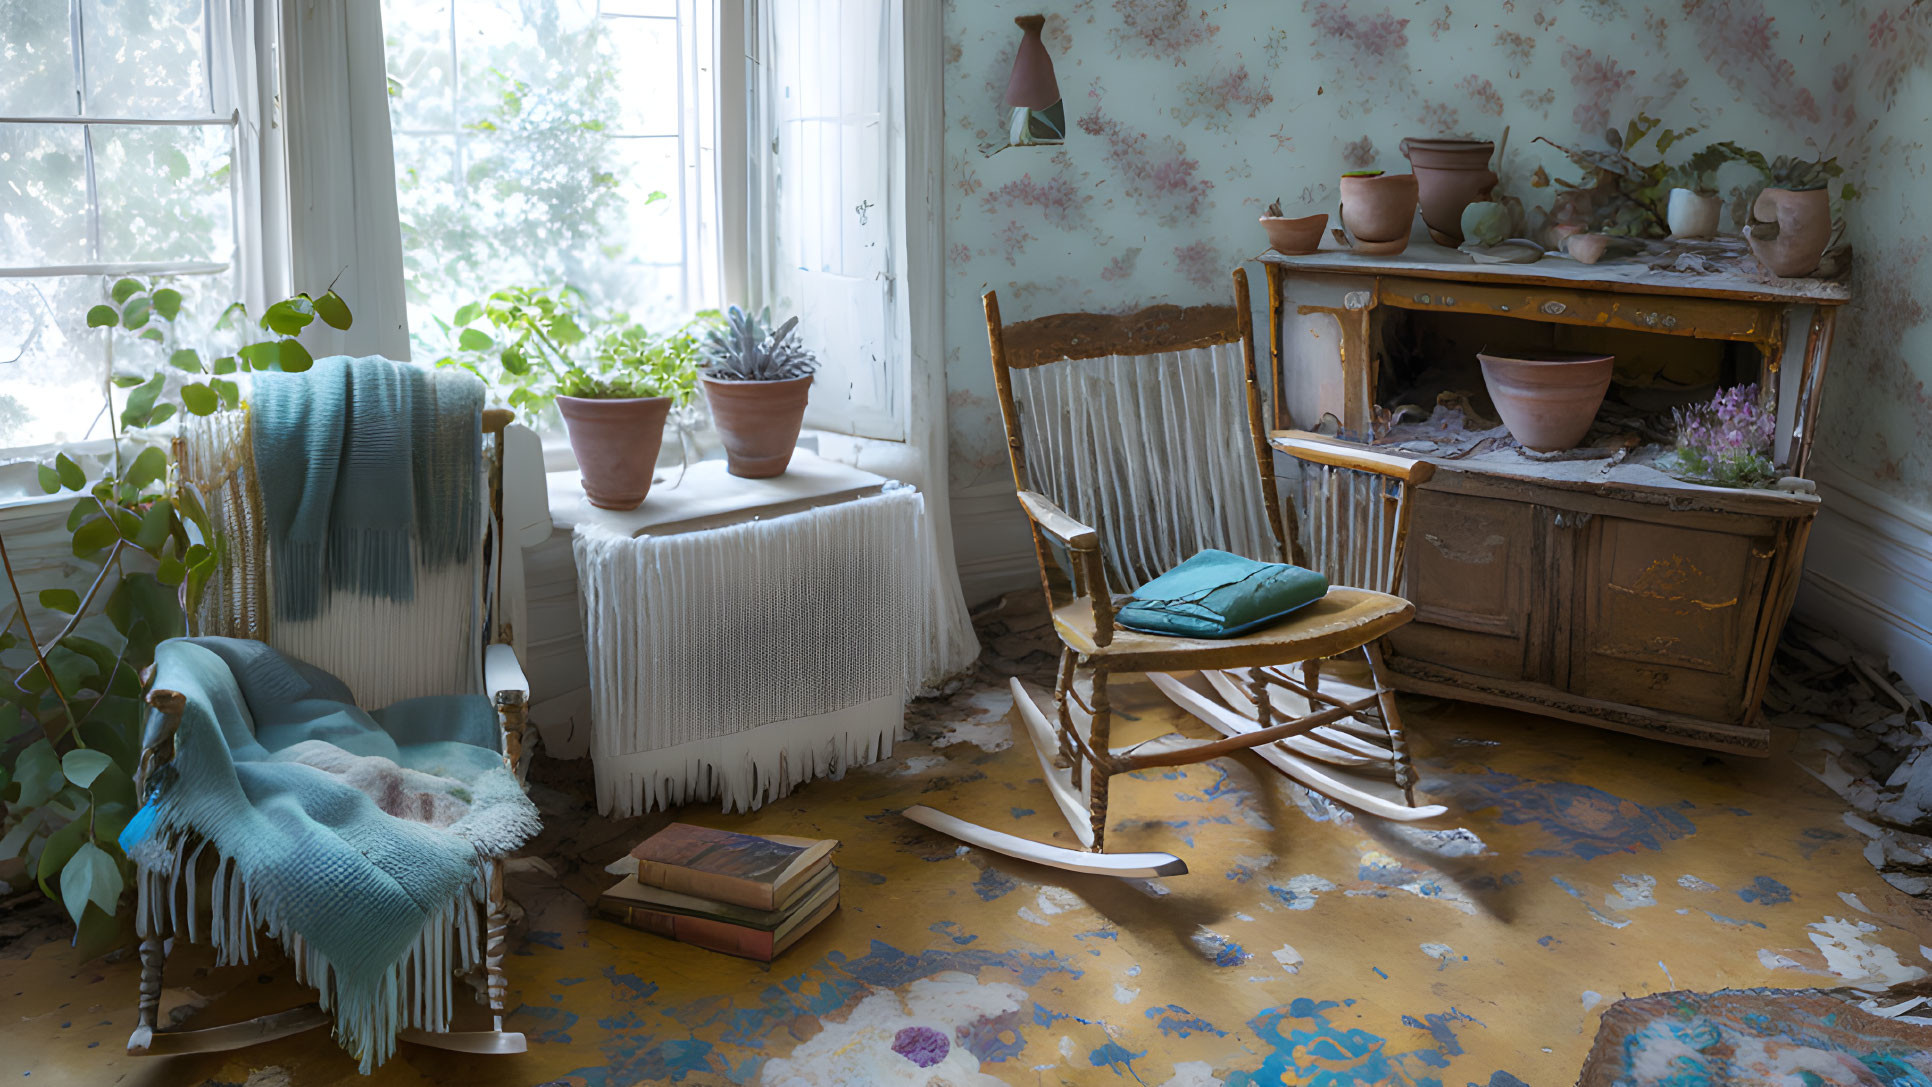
(355, 839)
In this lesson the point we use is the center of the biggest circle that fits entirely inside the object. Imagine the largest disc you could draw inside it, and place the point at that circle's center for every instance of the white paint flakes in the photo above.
(989, 727)
(1133, 971)
(1303, 891)
(1443, 954)
(1193, 1074)
(1591, 998)
(1124, 995)
(917, 765)
(859, 1049)
(1027, 915)
(1851, 900)
(1058, 900)
(1850, 955)
(1632, 892)
(1691, 883)
(1289, 958)
(1443, 843)
(1771, 960)
(1149, 887)
(1243, 917)
(1066, 1046)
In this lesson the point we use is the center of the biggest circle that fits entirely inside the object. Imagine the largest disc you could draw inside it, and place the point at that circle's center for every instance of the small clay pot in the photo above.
(1693, 214)
(1790, 229)
(1303, 235)
(1450, 175)
(1379, 209)
(616, 443)
(1586, 248)
(1548, 399)
(758, 422)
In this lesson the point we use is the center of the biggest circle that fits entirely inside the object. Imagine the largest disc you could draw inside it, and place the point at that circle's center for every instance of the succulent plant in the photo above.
(1274, 210)
(747, 348)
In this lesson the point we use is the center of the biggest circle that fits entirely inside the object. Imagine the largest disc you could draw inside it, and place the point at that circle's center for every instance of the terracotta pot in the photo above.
(758, 421)
(1790, 229)
(616, 443)
(1547, 398)
(1379, 210)
(1303, 235)
(1587, 248)
(1450, 175)
(1693, 214)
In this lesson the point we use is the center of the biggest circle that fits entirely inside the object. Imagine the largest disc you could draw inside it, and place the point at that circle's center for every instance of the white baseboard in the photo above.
(1868, 573)
(991, 543)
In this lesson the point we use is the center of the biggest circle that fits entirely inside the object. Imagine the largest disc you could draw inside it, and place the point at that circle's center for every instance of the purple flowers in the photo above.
(1728, 440)
(922, 1046)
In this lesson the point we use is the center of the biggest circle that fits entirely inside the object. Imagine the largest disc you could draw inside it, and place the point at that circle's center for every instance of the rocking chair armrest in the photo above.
(503, 673)
(1303, 445)
(1058, 523)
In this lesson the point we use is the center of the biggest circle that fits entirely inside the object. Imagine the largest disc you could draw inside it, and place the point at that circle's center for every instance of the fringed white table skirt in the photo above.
(738, 662)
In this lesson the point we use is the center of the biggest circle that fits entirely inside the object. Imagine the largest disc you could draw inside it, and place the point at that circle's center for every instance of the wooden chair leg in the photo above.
(154, 955)
(496, 942)
(1098, 741)
(1063, 690)
(1391, 723)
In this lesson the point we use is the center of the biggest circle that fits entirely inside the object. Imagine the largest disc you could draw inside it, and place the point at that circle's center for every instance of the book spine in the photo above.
(674, 877)
(697, 931)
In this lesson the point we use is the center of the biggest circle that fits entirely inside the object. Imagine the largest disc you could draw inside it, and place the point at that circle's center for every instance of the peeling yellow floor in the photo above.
(1306, 945)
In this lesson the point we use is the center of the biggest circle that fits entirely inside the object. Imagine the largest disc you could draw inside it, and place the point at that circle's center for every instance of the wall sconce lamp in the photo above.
(1033, 95)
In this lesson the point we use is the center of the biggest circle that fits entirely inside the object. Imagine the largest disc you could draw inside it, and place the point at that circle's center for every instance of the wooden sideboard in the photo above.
(1602, 592)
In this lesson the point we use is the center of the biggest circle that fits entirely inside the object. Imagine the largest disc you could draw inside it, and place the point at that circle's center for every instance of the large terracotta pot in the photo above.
(758, 421)
(1790, 229)
(1378, 211)
(1303, 235)
(1450, 175)
(616, 443)
(1547, 398)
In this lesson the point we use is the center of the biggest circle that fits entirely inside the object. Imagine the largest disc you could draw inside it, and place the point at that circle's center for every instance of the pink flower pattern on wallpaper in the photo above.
(1210, 110)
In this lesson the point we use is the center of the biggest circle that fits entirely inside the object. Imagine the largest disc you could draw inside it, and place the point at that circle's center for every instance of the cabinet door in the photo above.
(1668, 616)
(1470, 563)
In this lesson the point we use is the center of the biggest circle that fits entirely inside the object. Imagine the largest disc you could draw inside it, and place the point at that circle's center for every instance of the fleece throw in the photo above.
(356, 839)
(368, 469)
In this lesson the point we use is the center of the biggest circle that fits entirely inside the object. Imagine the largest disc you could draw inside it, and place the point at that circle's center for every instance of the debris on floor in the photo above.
(1876, 743)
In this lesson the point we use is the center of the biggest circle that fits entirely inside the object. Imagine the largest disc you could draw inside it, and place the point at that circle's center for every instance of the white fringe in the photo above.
(699, 643)
(414, 992)
(1153, 451)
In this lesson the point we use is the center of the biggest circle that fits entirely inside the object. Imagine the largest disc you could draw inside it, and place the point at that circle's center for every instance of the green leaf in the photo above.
(171, 571)
(125, 289)
(103, 316)
(224, 365)
(295, 358)
(71, 476)
(227, 319)
(139, 411)
(167, 302)
(128, 381)
(93, 535)
(474, 339)
(156, 526)
(60, 848)
(468, 313)
(199, 399)
(90, 876)
(135, 313)
(37, 771)
(83, 765)
(565, 331)
(65, 601)
(229, 392)
(332, 309)
(186, 359)
(153, 333)
(162, 413)
(266, 355)
(289, 316)
(150, 465)
(514, 361)
(49, 479)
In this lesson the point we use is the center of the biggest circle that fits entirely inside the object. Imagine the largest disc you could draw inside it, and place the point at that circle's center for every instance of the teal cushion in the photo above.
(1218, 595)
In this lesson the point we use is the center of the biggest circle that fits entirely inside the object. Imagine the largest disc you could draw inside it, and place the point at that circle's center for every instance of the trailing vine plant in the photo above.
(71, 709)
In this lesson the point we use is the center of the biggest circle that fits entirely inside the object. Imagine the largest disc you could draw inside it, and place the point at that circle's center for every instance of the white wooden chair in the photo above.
(1139, 484)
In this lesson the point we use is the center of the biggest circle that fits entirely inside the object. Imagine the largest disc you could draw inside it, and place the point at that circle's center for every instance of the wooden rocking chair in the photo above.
(237, 606)
(1356, 510)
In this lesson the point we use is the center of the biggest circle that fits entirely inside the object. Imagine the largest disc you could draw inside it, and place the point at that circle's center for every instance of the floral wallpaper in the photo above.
(1185, 120)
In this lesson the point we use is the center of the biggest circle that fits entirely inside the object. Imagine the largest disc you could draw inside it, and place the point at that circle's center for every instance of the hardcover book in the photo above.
(758, 871)
(715, 935)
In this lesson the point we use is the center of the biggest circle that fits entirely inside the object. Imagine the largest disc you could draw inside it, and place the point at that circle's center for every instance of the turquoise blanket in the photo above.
(376, 910)
(368, 468)
(1216, 594)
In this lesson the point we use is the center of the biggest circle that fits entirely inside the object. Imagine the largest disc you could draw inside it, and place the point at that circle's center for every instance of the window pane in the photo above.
(144, 58)
(43, 196)
(164, 192)
(417, 52)
(51, 366)
(647, 87)
(36, 59)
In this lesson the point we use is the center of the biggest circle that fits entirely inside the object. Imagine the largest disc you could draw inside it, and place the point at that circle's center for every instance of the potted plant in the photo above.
(1790, 222)
(615, 389)
(757, 380)
(1694, 206)
(1285, 235)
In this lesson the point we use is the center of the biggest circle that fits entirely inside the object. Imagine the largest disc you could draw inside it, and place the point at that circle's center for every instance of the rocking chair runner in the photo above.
(237, 606)
(1353, 503)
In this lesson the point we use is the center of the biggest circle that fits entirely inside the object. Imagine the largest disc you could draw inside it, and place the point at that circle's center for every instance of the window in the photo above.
(548, 142)
(120, 129)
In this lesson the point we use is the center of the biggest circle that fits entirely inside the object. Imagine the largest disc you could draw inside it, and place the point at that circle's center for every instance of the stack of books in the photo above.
(742, 894)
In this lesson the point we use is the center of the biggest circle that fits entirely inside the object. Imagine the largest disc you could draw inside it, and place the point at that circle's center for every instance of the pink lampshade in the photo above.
(1032, 85)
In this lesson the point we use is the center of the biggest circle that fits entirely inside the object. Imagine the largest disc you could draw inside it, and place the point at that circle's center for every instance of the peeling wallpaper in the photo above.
(1186, 120)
